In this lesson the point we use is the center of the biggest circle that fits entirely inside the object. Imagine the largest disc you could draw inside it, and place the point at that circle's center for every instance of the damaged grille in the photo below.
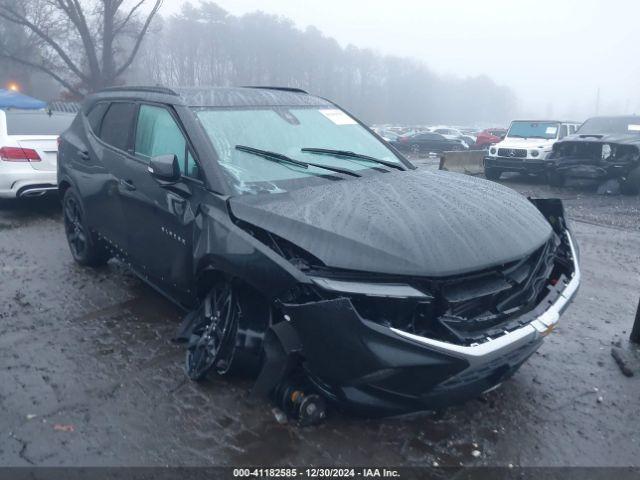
(482, 307)
(464, 310)
(471, 309)
(512, 152)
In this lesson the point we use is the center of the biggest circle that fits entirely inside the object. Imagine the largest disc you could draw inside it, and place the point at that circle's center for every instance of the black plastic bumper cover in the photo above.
(370, 370)
(517, 165)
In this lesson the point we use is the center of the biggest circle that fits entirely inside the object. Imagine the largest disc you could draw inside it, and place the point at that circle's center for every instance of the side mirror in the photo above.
(165, 168)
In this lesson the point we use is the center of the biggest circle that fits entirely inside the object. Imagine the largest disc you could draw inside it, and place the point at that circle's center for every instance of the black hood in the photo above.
(416, 222)
(617, 138)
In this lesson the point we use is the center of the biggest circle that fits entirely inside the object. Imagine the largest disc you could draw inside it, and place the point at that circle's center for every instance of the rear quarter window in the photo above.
(37, 123)
(95, 116)
(117, 125)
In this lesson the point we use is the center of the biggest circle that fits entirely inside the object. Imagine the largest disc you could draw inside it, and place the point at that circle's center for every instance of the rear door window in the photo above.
(117, 125)
(157, 133)
(37, 123)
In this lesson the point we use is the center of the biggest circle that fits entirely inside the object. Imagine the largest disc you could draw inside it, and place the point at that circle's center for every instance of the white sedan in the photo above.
(455, 134)
(29, 151)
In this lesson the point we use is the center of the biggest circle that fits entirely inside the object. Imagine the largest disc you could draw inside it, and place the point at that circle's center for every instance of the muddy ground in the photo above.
(89, 376)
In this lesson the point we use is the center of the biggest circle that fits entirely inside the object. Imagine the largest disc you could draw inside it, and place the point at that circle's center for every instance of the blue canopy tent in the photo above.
(11, 99)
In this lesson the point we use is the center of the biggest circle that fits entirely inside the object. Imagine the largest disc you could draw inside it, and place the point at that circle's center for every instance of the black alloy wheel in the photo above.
(86, 248)
(212, 343)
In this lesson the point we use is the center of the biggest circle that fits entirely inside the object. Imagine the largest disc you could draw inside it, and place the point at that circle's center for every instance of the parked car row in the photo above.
(417, 141)
(427, 142)
(601, 149)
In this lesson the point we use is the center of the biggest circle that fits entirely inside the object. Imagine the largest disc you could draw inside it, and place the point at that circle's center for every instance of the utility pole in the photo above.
(598, 101)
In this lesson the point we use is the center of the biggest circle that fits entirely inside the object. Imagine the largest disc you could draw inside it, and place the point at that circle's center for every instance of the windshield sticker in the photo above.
(633, 128)
(338, 117)
(551, 130)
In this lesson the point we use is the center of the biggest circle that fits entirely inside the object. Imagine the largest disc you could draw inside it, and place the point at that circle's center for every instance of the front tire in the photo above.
(631, 185)
(492, 173)
(86, 248)
(212, 344)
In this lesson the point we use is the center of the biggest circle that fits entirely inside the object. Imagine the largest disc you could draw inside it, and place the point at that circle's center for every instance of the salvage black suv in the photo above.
(604, 148)
(309, 251)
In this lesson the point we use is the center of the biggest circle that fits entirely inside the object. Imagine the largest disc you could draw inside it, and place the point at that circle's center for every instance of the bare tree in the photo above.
(84, 45)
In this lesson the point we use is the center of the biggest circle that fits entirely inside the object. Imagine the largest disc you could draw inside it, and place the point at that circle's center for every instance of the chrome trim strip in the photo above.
(389, 290)
(537, 328)
(30, 192)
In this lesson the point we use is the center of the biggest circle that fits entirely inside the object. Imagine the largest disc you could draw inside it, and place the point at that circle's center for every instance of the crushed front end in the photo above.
(594, 159)
(380, 345)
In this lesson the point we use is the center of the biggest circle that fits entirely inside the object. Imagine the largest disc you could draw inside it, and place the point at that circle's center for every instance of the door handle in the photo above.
(128, 184)
(83, 154)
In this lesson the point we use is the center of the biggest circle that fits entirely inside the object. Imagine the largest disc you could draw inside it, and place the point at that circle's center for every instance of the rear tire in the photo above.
(631, 185)
(85, 246)
(491, 173)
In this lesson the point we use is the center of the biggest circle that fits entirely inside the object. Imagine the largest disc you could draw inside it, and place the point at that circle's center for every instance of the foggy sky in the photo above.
(554, 54)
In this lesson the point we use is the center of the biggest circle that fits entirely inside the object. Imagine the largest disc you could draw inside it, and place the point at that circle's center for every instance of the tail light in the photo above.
(17, 154)
(404, 139)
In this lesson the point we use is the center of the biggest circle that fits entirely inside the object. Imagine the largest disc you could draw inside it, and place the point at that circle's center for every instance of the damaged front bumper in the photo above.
(585, 169)
(594, 160)
(375, 369)
(520, 165)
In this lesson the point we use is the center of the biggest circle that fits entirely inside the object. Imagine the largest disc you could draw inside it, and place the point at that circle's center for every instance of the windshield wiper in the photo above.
(345, 153)
(281, 158)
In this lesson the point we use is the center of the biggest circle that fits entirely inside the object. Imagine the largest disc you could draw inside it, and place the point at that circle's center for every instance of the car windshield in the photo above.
(286, 131)
(547, 130)
(608, 125)
(37, 123)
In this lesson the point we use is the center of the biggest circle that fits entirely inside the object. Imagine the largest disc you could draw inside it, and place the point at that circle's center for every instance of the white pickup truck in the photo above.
(526, 147)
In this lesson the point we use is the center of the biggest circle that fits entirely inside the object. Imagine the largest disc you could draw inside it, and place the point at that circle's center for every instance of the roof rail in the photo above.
(140, 88)
(282, 89)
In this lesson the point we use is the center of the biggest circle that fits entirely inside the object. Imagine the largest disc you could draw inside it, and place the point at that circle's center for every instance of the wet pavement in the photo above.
(89, 376)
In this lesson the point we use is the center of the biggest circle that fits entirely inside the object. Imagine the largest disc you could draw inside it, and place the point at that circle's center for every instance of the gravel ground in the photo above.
(89, 376)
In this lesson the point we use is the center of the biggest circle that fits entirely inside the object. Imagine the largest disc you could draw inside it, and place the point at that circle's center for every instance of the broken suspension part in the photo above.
(299, 404)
